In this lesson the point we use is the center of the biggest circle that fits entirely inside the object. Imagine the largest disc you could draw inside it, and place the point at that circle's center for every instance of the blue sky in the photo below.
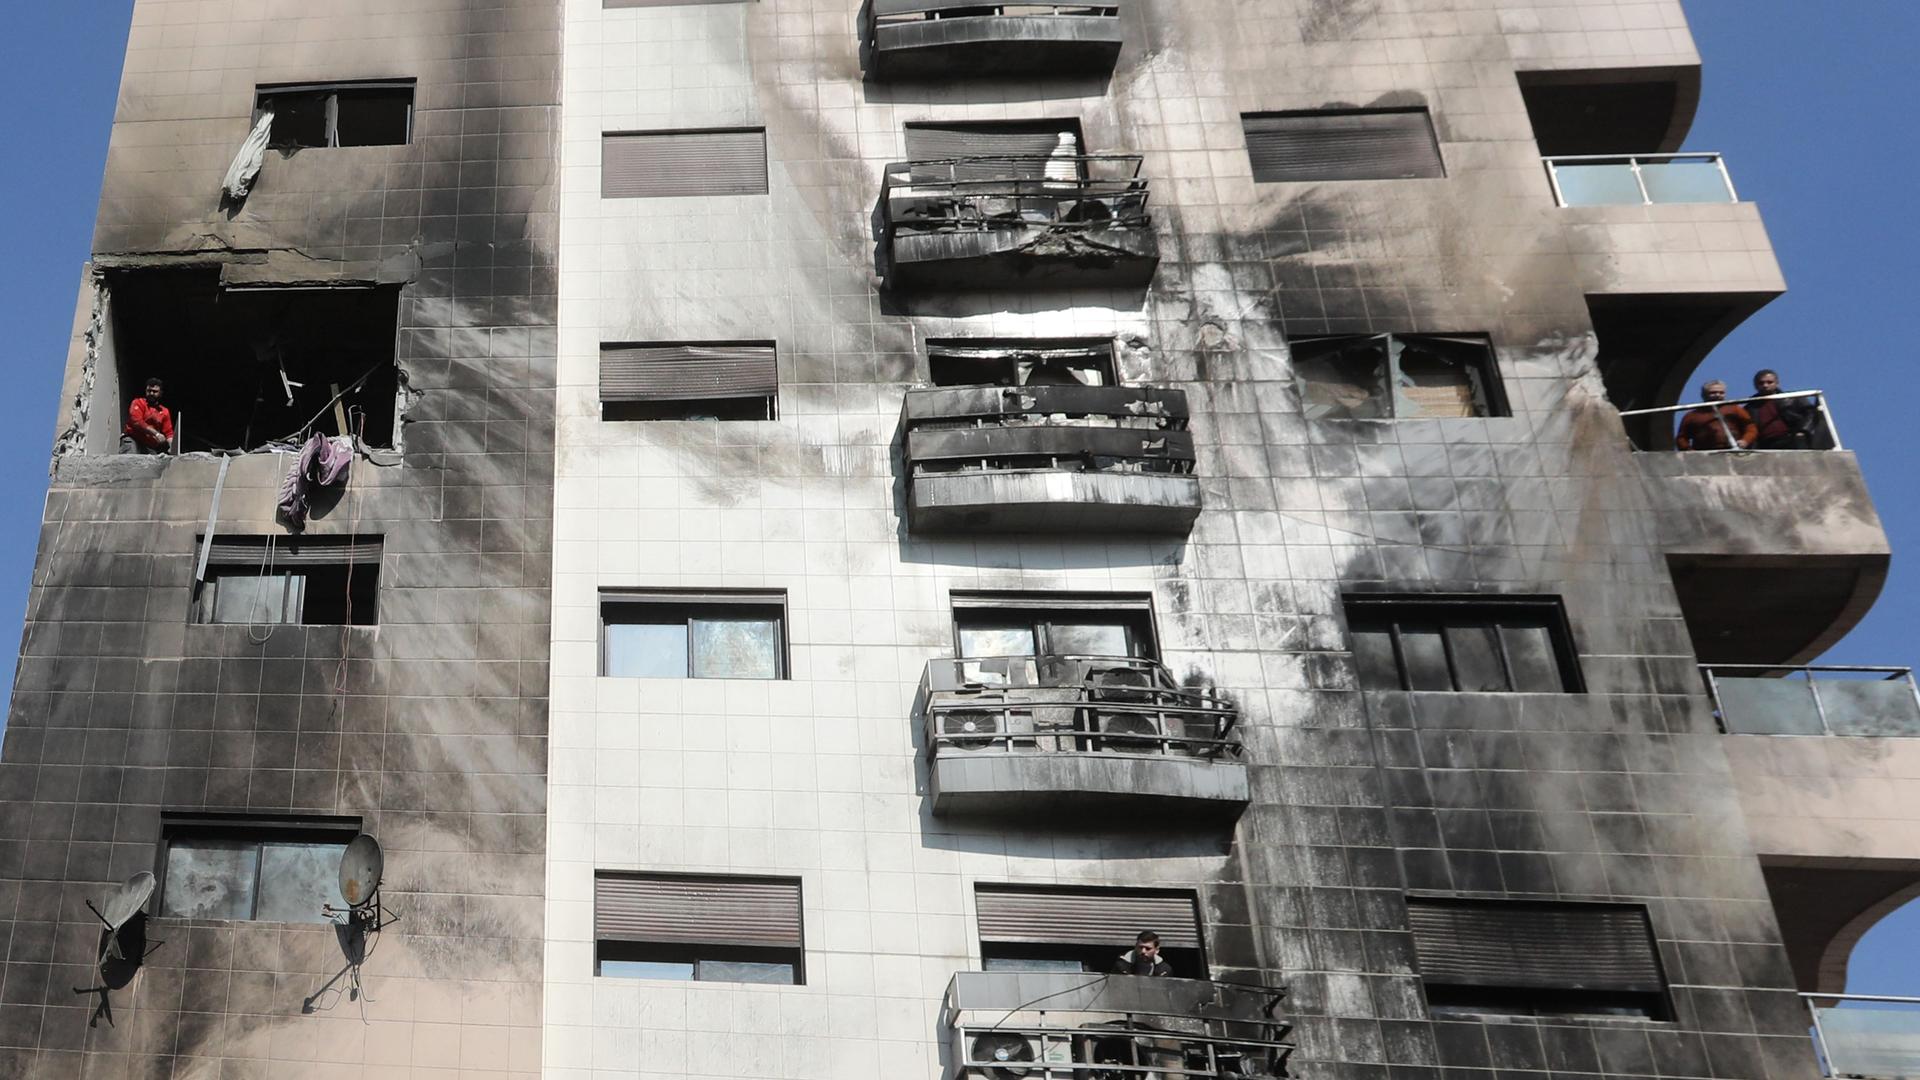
(1812, 104)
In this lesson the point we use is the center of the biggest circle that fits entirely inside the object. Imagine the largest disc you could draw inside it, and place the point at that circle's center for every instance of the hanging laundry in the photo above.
(246, 164)
(322, 463)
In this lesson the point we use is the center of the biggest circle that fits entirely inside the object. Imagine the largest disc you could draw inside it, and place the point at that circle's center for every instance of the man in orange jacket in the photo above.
(1708, 427)
(149, 426)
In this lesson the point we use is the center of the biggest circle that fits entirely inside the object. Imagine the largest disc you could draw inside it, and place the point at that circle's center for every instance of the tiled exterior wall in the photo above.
(1622, 793)
(430, 727)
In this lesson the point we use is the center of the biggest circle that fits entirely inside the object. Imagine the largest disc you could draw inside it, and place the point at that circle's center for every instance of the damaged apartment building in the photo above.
(753, 538)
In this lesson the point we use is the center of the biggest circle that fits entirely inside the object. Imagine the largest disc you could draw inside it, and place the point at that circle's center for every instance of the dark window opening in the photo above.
(1075, 929)
(1468, 645)
(1618, 111)
(312, 581)
(693, 635)
(266, 868)
(1538, 958)
(991, 625)
(339, 115)
(720, 380)
(698, 928)
(245, 367)
(1342, 144)
(995, 362)
(1397, 376)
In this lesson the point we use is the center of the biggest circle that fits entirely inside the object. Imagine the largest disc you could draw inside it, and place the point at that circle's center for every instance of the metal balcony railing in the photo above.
(1822, 434)
(1048, 428)
(984, 194)
(1072, 704)
(1868, 1039)
(892, 13)
(1758, 699)
(1110, 1027)
(1640, 179)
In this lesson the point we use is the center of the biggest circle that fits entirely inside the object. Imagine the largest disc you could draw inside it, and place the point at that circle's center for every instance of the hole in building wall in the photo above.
(244, 368)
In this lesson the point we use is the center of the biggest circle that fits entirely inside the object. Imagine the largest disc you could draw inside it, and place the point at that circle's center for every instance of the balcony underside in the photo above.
(1063, 785)
(1053, 500)
(1775, 554)
(1027, 45)
(1024, 257)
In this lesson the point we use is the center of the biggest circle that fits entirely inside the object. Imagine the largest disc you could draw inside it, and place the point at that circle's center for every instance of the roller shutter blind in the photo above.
(1390, 145)
(662, 3)
(1104, 917)
(763, 912)
(945, 142)
(1519, 944)
(661, 164)
(630, 373)
(249, 552)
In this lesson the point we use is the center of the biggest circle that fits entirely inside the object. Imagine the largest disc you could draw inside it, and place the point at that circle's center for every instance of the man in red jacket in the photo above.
(149, 426)
(1708, 427)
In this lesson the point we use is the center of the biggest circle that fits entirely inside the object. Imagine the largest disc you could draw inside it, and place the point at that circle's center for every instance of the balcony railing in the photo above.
(1072, 705)
(1819, 433)
(1087, 215)
(1877, 1038)
(1640, 179)
(1058, 1026)
(1754, 699)
(918, 38)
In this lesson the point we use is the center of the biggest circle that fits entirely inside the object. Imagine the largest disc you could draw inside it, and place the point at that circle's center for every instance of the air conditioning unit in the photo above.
(1127, 732)
(1014, 1055)
(985, 729)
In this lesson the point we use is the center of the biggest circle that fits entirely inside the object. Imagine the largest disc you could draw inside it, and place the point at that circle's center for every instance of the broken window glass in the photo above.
(1400, 376)
(298, 881)
(1020, 363)
(279, 873)
(694, 637)
(210, 879)
(338, 115)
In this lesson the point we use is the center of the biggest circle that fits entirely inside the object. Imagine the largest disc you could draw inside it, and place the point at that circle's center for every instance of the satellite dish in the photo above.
(360, 868)
(119, 907)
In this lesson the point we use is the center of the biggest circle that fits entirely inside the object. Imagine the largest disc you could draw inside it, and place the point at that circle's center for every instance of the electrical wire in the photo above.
(260, 593)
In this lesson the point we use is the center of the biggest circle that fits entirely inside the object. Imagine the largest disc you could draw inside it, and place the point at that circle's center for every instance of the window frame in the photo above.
(696, 953)
(691, 604)
(672, 409)
(1367, 610)
(204, 591)
(264, 92)
(1196, 959)
(1484, 376)
(259, 830)
(1134, 610)
(1099, 350)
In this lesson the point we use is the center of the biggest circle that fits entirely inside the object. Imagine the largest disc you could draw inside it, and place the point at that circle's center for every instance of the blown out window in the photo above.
(1518, 644)
(1066, 929)
(719, 380)
(271, 581)
(990, 362)
(697, 928)
(719, 635)
(1537, 958)
(338, 114)
(273, 869)
(1397, 376)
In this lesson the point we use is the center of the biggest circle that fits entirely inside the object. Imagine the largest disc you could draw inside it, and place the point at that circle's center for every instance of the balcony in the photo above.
(1054, 1026)
(982, 223)
(1073, 735)
(1640, 180)
(1783, 532)
(936, 39)
(1049, 458)
(1860, 1035)
(1827, 700)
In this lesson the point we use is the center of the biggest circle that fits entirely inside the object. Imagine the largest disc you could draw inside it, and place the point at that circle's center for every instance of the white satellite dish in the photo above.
(360, 868)
(119, 907)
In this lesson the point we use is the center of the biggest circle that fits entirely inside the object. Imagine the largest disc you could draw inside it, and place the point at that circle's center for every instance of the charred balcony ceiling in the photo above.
(1611, 110)
(934, 39)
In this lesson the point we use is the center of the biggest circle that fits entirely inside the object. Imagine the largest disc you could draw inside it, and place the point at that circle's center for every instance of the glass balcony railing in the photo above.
(1798, 420)
(1640, 180)
(1859, 1035)
(1752, 699)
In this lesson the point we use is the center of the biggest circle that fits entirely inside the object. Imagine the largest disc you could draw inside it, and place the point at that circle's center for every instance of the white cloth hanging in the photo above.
(246, 164)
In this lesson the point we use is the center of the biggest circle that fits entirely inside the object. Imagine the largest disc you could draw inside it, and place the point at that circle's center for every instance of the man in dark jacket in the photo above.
(1144, 958)
(1785, 424)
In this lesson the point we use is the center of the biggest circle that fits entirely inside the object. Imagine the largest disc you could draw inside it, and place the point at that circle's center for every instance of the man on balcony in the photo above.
(1716, 427)
(1144, 958)
(149, 426)
(1785, 424)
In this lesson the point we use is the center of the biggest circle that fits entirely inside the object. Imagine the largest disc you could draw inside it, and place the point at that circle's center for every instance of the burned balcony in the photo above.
(922, 39)
(1049, 458)
(988, 222)
(1066, 1026)
(1074, 734)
